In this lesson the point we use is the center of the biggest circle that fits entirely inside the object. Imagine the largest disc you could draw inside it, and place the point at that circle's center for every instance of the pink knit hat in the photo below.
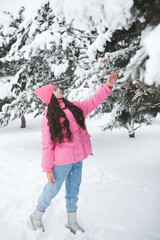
(45, 93)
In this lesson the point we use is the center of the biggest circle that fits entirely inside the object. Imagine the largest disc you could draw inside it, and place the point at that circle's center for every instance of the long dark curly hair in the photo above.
(54, 114)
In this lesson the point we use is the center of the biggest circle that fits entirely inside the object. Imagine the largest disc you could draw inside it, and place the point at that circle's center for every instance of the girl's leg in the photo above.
(72, 185)
(51, 190)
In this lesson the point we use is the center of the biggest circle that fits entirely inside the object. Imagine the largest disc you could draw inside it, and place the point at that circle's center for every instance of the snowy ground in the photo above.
(119, 195)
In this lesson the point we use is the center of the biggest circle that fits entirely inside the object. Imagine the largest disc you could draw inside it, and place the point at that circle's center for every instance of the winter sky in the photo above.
(13, 6)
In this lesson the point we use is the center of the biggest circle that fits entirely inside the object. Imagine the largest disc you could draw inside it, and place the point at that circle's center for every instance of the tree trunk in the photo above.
(131, 130)
(132, 135)
(23, 122)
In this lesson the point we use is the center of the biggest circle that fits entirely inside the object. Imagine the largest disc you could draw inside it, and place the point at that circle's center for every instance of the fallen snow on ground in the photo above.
(119, 195)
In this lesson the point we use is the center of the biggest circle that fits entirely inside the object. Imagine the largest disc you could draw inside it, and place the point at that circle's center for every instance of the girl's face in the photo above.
(57, 93)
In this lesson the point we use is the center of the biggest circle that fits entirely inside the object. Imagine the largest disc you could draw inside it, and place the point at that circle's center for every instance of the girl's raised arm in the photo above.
(88, 105)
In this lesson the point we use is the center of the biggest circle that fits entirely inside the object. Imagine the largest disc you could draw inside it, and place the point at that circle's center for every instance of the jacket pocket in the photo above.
(64, 153)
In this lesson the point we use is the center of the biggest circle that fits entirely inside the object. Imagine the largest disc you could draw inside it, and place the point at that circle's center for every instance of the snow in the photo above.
(99, 44)
(119, 194)
(151, 43)
(8, 30)
(13, 7)
(85, 15)
(5, 87)
(60, 68)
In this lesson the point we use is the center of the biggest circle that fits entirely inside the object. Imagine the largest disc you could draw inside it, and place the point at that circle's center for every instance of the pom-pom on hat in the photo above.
(45, 93)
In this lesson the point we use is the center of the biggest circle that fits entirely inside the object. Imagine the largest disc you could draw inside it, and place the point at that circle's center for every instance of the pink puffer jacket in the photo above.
(80, 148)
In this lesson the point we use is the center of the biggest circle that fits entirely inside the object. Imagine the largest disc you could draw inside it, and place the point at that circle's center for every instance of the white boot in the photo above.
(36, 219)
(72, 223)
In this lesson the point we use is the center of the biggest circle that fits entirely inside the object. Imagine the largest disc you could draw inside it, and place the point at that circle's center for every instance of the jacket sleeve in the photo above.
(88, 105)
(48, 147)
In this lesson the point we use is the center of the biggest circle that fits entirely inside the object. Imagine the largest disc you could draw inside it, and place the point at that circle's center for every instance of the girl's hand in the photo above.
(50, 177)
(112, 79)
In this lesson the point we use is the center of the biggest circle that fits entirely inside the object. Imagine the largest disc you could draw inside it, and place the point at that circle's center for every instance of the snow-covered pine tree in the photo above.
(8, 36)
(112, 51)
(136, 102)
(47, 51)
(29, 69)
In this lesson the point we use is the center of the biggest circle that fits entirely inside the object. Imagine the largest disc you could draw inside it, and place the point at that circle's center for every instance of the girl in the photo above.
(65, 144)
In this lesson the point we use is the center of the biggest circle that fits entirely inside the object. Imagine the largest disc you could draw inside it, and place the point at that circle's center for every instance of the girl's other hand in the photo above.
(112, 79)
(50, 177)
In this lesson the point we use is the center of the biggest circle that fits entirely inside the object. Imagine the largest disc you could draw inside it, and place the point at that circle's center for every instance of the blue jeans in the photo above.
(72, 175)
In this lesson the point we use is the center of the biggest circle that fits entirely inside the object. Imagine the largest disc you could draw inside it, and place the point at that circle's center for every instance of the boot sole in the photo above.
(33, 224)
(70, 229)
